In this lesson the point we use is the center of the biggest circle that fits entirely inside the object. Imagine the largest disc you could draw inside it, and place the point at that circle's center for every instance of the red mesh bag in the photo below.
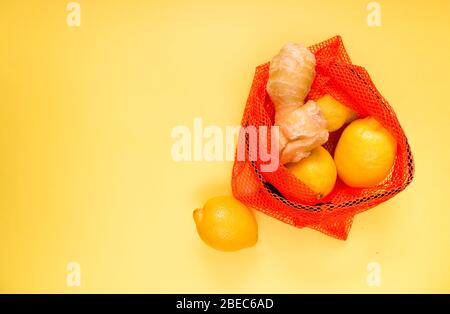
(284, 197)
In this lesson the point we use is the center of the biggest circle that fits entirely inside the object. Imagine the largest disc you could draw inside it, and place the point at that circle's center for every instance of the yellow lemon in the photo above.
(335, 112)
(317, 171)
(226, 224)
(365, 153)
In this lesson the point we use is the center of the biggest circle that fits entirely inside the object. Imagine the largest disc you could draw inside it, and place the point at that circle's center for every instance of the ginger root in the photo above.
(302, 126)
(291, 74)
(301, 131)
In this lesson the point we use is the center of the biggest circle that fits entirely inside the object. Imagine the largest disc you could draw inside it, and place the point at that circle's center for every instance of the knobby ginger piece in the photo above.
(291, 74)
(302, 130)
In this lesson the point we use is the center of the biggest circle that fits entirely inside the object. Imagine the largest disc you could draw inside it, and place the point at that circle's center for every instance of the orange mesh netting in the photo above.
(280, 194)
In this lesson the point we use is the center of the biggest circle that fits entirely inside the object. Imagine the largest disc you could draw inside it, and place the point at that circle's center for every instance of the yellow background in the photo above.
(86, 173)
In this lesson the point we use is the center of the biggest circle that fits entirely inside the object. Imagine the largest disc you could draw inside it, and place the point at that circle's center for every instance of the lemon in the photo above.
(335, 112)
(365, 153)
(226, 224)
(317, 171)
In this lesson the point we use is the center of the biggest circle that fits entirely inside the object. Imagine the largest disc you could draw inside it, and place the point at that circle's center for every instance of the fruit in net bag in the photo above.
(317, 171)
(335, 113)
(365, 153)
(280, 195)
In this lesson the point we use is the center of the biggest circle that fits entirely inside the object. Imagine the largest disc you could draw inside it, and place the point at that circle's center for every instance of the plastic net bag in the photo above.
(280, 194)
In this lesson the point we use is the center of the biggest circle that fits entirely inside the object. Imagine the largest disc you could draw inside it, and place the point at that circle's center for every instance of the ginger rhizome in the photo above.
(302, 126)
